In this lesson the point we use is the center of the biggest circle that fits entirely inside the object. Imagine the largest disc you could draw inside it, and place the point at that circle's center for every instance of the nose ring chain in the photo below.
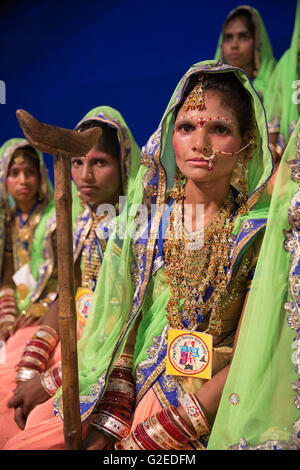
(211, 158)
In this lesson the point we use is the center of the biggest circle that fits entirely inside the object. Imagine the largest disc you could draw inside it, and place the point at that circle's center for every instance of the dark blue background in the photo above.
(60, 58)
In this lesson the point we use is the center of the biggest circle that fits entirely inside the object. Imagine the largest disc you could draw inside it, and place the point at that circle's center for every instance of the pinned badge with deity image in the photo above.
(189, 354)
(83, 301)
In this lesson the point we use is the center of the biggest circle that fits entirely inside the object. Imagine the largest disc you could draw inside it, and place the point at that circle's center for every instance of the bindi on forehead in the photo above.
(204, 120)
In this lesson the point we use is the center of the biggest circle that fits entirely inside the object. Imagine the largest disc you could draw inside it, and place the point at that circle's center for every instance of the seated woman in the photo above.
(282, 97)
(259, 409)
(170, 390)
(161, 280)
(244, 43)
(101, 177)
(29, 271)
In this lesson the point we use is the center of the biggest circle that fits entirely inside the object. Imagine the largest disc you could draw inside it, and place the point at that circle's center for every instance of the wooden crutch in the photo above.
(63, 144)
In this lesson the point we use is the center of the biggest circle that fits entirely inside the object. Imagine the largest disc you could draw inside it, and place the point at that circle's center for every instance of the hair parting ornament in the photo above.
(195, 100)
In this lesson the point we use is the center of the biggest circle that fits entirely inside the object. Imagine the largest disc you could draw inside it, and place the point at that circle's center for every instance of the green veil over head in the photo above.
(41, 259)
(281, 100)
(128, 261)
(260, 404)
(264, 61)
(129, 149)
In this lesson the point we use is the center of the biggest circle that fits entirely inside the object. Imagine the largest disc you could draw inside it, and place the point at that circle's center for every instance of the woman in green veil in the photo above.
(28, 251)
(127, 390)
(244, 43)
(102, 177)
(260, 404)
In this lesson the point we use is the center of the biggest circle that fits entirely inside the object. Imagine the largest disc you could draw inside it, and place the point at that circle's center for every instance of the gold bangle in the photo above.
(48, 383)
(47, 334)
(24, 373)
(125, 360)
(38, 350)
(195, 413)
(156, 434)
(165, 436)
(8, 318)
(111, 424)
(129, 443)
(8, 291)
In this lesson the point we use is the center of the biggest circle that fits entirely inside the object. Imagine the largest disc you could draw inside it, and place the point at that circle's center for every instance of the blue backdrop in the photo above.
(60, 58)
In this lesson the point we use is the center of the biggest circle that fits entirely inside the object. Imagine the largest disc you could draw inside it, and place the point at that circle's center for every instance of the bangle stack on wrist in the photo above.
(37, 353)
(163, 431)
(114, 412)
(51, 379)
(8, 312)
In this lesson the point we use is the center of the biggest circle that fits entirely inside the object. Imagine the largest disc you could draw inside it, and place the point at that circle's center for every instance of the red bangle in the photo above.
(124, 413)
(170, 427)
(29, 365)
(56, 376)
(39, 344)
(146, 441)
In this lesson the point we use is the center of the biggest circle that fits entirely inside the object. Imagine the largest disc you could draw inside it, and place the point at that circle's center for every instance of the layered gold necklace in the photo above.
(198, 277)
(91, 258)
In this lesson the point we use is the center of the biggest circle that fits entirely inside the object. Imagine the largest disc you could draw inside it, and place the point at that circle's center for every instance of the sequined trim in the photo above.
(46, 268)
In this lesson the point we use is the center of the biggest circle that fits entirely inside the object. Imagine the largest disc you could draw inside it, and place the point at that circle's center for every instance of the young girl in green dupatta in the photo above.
(260, 404)
(29, 252)
(282, 96)
(137, 387)
(101, 177)
(244, 43)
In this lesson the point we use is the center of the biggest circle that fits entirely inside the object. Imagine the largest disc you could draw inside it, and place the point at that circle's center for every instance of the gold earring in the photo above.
(178, 191)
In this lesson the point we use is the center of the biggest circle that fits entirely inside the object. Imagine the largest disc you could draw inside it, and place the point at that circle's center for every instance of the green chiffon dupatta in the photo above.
(260, 404)
(282, 98)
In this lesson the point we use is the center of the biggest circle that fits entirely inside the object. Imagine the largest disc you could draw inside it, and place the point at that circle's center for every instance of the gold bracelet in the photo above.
(165, 436)
(195, 413)
(129, 443)
(24, 373)
(36, 349)
(8, 318)
(48, 382)
(111, 424)
(10, 292)
(48, 334)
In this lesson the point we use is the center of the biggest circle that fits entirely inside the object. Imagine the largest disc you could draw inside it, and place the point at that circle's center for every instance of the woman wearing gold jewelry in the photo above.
(100, 177)
(177, 308)
(28, 248)
(167, 279)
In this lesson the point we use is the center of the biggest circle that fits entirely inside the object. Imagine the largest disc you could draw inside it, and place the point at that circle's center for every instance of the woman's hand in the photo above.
(97, 440)
(24, 321)
(26, 397)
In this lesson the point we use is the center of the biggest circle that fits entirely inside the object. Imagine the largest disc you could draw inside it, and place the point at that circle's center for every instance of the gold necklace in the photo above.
(91, 259)
(197, 277)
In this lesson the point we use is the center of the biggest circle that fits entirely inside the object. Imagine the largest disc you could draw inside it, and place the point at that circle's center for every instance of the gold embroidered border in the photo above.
(241, 245)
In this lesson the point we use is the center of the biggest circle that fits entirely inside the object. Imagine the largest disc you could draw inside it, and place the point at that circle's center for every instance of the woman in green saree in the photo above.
(101, 178)
(28, 245)
(244, 43)
(260, 404)
(152, 284)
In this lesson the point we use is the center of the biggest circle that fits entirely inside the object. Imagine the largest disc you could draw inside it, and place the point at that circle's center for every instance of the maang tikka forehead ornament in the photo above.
(195, 99)
(18, 157)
